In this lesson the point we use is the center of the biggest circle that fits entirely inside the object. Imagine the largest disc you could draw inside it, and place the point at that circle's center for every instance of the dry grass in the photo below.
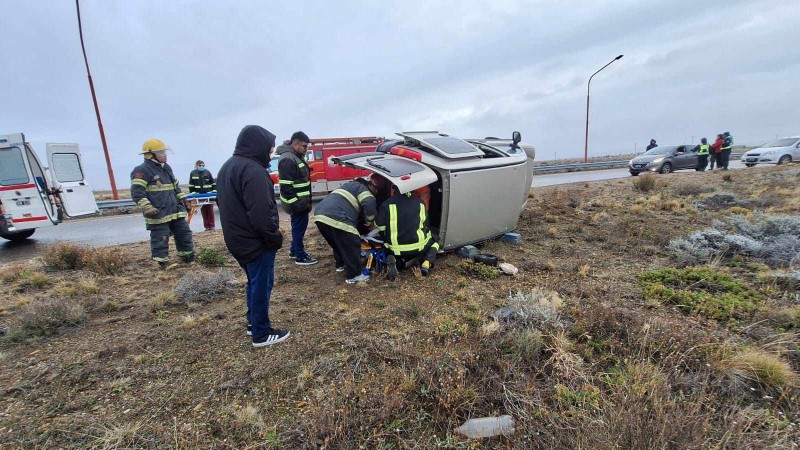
(645, 183)
(752, 368)
(45, 317)
(583, 363)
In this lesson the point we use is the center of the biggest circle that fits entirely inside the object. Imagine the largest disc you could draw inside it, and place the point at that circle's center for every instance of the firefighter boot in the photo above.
(391, 268)
(425, 268)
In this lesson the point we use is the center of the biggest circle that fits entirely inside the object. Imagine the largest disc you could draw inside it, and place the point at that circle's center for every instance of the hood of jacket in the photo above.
(284, 148)
(255, 142)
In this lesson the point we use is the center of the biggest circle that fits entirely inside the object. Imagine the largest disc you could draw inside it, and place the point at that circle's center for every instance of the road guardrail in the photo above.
(123, 203)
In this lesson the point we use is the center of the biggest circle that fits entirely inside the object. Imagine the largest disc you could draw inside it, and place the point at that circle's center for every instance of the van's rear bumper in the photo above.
(6, 226)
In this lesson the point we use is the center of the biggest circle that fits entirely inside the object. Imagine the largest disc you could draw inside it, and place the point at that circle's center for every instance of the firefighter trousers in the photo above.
(159, 239)
(346, 248)
(408, 259)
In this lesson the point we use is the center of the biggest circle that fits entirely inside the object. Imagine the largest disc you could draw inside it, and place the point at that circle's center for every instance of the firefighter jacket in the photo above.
(295, 181)
(153, 183)
(403, 220)
(348, 207)
(201, 182)
(727, 142)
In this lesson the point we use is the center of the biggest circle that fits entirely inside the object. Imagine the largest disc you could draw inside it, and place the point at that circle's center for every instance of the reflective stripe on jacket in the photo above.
(348, 207)
(294, 180)
(201, 182)
(404, 222)
(727, 143)
(153, 183)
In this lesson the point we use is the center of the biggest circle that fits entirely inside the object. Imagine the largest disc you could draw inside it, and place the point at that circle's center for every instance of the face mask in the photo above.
(201, 168)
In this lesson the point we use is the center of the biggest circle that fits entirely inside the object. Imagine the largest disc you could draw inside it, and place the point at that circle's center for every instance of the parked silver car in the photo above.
(478, 186)
(779, 151)
(665, 159)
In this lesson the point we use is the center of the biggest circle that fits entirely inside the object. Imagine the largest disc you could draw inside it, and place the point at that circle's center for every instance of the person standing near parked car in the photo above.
(727, 146)
(250, 225)
(716, 152)
(295, 183)
(702, 155)
(155, 189)
(201, 181)
(652, 144)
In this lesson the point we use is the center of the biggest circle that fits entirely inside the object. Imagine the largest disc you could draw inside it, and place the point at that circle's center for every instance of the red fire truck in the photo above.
(326, 176)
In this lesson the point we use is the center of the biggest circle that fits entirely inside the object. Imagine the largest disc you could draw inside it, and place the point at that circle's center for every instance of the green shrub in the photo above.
(210, 257)
(64, 257)
(477, 270)
(700, 290)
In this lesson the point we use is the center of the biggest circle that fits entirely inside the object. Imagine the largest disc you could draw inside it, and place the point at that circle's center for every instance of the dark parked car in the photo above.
(665, 159)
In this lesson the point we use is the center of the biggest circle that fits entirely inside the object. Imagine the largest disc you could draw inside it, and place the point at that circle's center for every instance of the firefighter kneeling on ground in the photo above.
(155, 189)
(403, 221)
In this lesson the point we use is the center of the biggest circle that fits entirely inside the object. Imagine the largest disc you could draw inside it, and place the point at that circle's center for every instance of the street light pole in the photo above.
(114, 192)
(586, 143)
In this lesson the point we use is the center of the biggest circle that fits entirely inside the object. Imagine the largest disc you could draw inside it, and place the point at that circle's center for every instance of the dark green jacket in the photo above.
(202, 182)
(295, 181)
(153, 183)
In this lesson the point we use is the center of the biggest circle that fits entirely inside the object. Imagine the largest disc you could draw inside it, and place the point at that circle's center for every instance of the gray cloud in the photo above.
(193, 73)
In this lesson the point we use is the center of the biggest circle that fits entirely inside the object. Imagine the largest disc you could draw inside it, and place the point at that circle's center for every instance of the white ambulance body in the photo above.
(33, 196)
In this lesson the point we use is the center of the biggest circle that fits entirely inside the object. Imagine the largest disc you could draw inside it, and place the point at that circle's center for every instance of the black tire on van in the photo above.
(18, 236)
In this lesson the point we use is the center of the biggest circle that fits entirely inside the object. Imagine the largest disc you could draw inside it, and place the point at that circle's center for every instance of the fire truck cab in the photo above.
(33, 196)
(326, 176)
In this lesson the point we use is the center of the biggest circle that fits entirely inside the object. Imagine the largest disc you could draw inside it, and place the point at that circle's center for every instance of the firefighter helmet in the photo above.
(153, 145)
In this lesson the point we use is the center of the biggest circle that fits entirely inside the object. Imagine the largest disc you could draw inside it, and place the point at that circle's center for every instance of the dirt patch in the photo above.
(592, 363)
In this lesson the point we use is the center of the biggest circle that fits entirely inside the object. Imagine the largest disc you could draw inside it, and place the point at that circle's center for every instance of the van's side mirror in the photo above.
(516, 137)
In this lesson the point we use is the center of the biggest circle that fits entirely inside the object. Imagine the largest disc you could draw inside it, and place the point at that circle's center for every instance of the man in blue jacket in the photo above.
(249, 218)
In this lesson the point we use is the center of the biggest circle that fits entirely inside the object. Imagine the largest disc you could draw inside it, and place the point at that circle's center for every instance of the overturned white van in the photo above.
(33, 196)
(478, 187)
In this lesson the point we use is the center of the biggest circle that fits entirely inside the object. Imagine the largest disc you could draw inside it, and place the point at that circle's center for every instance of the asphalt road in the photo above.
(128, 228)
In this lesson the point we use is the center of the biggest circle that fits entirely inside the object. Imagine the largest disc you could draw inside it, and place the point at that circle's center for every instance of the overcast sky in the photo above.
(194, 73)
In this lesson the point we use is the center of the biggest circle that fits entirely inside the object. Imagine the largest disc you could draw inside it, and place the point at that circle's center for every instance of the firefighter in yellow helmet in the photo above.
(155, 189)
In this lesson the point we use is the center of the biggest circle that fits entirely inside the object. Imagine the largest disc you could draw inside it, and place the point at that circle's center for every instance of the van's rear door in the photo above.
(24, 205)
(66, 171)
(405, 173)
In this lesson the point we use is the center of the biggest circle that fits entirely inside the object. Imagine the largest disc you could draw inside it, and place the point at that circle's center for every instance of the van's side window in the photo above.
(12, 167)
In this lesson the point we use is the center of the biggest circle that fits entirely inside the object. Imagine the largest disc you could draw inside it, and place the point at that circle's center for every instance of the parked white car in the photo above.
(779, 151)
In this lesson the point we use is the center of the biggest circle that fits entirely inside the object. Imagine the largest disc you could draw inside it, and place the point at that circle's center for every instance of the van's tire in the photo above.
(633, 174)
(18, 236)
(785, 159)
(666, 168)
(749, 165)
(485, 258)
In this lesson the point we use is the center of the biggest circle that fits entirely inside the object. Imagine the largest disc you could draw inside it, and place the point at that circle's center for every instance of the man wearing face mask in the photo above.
(202, 182)
(155, 189)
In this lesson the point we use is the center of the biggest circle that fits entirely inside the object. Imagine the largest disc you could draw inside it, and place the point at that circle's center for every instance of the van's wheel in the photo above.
(666, 168)
(19, 236)
(749, 165)
(785, 159)
(633, 174)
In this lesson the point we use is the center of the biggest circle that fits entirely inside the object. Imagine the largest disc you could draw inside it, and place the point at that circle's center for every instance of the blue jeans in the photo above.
(299, 226)
(260, 278)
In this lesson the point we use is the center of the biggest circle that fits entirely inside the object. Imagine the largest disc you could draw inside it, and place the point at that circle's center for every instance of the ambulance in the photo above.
(34, 196)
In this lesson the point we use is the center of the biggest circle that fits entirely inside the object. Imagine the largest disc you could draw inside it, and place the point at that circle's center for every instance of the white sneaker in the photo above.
(340, 269)
(360, 278)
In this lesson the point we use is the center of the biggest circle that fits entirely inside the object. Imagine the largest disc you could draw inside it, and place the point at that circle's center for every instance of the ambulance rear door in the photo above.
(69, 179)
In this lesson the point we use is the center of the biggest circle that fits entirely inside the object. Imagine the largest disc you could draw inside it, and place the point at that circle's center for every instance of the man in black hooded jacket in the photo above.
(249, 218)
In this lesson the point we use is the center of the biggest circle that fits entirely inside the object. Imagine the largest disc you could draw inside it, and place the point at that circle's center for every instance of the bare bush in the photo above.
(539, 308)
(645, 183)
(690, 188)
(772, 238)
(63, 257)
(203, 286)
(106, 261)
(45, 317)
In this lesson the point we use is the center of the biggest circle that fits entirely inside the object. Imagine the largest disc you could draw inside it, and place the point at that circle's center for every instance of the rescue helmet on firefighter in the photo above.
(153, 145)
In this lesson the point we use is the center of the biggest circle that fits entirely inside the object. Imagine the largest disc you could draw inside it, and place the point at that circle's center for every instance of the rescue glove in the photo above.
(150, 212)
